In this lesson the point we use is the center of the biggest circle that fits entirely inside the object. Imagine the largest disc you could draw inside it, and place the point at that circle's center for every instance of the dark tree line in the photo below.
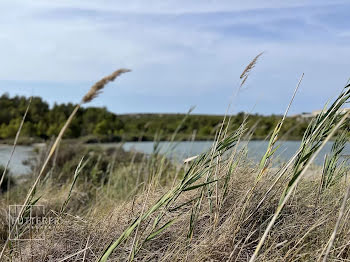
(99, 124)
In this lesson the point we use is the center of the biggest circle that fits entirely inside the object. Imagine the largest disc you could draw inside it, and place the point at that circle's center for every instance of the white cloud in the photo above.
(344, 34)
(173, 46)
(165, 6)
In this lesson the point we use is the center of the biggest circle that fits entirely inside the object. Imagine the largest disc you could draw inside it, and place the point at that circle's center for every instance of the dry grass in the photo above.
(300, 232)
(212, 208)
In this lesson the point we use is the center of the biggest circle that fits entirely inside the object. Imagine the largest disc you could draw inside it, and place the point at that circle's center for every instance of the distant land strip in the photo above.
(99, 125)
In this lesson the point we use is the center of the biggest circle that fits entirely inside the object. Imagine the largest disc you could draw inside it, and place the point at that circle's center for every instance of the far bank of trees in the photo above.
(98, 124)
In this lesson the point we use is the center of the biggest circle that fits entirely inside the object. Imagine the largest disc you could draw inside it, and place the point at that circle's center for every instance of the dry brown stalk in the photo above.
(93, 93)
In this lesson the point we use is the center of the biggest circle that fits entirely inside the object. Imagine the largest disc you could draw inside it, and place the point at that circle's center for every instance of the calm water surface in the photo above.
(256, 149)
(180, 151)
(21, 154)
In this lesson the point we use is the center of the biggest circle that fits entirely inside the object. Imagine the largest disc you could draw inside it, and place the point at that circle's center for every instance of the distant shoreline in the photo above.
(39, 142)
(98, 125)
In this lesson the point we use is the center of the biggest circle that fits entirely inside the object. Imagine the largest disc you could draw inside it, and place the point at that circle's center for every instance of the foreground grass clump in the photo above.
(110, 205)
(300, 232)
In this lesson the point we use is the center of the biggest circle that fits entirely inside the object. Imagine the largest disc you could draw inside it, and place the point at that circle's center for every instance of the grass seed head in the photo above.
(249, 67)
(95, 90)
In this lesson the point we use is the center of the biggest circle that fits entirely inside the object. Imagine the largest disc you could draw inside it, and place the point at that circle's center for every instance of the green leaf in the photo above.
(160, 230)
(200, 185)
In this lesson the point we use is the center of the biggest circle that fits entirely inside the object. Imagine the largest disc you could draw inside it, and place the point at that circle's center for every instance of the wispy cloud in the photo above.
(176, 48)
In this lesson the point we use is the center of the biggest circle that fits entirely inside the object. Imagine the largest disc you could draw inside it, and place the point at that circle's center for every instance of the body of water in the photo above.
(180, 151)
(21, 154)
(256, 149)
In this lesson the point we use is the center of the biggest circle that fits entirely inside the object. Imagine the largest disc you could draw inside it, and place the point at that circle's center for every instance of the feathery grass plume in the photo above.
(244, 75)
(249, 67)
(222, 132)
(93, 92)
(319, 131)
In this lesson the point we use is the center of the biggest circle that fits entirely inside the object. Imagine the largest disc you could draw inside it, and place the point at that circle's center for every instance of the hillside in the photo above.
(98, 124)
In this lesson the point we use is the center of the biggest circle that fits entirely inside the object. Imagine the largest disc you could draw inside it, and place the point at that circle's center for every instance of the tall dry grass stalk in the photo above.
(94, 91)
(271, 149)
(223, 132)
(15, 142)
(244, 75)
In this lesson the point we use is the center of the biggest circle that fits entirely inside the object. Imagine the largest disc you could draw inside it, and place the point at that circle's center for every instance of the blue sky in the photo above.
(182, 52)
